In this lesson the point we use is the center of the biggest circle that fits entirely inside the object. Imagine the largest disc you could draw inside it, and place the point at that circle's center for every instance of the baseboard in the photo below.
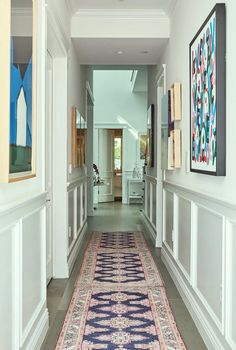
(76, 248)
(39, 333)
(209, 336)
(149, 227)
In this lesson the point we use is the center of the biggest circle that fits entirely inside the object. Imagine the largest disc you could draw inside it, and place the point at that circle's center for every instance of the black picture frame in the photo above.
(219, 140)
(150, 136)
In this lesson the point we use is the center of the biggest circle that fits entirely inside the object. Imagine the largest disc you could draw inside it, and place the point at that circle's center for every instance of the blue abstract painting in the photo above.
(21, 105)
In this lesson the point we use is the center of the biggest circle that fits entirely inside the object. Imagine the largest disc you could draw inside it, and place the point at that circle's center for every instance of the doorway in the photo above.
(109, 159)
(117, 164)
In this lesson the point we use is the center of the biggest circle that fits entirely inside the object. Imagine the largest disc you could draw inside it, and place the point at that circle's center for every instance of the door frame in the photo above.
(114, 126)
(58, 47)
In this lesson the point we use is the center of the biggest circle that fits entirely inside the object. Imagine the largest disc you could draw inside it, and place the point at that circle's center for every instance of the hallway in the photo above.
(113, 217)
(160, 73)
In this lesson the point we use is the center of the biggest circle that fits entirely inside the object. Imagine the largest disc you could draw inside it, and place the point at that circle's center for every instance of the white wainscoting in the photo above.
(199, 242)
(126, 175)
(149, 214)
(24, 315)
(77, 217)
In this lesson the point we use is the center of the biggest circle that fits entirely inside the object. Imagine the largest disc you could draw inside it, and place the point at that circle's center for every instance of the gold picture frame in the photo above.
(78, 131)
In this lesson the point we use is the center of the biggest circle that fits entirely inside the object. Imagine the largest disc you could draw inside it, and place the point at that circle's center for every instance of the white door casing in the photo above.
(48, 165)
(105, 161)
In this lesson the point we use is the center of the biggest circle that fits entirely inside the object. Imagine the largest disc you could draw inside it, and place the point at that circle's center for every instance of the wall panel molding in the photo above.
(77, 217)
(209, 224)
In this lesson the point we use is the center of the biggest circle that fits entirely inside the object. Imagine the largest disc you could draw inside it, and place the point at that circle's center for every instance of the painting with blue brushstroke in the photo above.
(21, 105)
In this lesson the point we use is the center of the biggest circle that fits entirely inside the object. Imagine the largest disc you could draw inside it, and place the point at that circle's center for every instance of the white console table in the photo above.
(135, 191)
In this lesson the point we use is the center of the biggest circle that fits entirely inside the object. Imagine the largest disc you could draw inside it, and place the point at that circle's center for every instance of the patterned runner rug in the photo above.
(119, 302)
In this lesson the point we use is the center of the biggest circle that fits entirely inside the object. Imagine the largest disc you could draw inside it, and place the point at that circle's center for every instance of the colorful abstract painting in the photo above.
(207, 110)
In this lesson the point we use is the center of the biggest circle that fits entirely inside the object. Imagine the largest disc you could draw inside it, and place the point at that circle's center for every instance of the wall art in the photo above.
(18, 101)
(208, 95)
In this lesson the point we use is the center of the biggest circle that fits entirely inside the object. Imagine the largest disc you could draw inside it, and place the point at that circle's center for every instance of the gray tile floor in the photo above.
(112, 217)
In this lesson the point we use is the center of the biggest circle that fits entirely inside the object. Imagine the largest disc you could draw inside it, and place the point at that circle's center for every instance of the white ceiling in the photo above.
(104, 51)
(164, 5)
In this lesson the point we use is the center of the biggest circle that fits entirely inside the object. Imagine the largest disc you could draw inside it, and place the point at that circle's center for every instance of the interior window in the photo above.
(117, 154)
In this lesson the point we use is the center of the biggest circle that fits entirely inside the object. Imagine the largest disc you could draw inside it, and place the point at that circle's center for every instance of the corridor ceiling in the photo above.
(164, 5)
(120, 32)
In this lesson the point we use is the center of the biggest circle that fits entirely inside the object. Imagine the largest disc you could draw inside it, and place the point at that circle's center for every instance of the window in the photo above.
(117, 154)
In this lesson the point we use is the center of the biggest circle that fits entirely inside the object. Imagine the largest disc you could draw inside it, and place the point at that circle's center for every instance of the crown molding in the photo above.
(70, 8)
(58, 27)
(122, 14)
(171, 8)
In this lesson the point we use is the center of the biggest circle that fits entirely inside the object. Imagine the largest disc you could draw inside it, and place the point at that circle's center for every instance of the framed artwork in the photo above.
(142, 146)
(79, 127)
(164, 133)
(18, 102)
(170, 137)
(150, 136)
(208, 95)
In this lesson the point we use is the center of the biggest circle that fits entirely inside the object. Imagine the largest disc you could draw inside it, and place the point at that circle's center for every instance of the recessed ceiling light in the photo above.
(145, 52)
(119, 52)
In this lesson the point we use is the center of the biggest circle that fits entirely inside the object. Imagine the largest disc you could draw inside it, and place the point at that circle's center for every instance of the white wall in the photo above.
(116, 104)
(200, 210)
(177, 59)
(76, 98)
(24, 313)
(77, 178)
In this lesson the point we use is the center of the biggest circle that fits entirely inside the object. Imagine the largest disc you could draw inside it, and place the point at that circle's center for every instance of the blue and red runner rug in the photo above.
(119, 302)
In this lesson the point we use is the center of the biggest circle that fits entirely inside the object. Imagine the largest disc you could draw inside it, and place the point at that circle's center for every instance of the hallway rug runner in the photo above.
(119, 302)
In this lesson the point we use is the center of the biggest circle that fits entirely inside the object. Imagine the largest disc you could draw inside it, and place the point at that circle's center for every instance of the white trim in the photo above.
(229, 283)
(76, 248)
(90, 92)
(194, 245)
(210, 197)
(151, 201)
(39, 333)
(122, 14)
(151, 179)
(164, 215)
(22, 204)
(183, 270)
(60, 38)
(149, 226)
(203, 325)
(175, 237)
(168, 248)
(32, 321)
(16, 283)
(76, 182)
(111, 126)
